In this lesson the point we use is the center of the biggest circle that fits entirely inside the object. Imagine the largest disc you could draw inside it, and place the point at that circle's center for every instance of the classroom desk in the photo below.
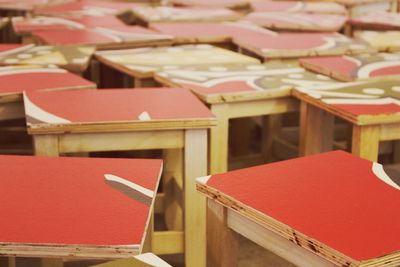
(173, 120)
(231, 4)
(321, 210)
(299, 7)
(286, 46)
(291, 21)
(15, 80)
(360, 7)
(242, 90)
(76, 208)
(103, 37)
(383, 41)
(352, 68)
(148, 14)
(376, 21)
(73, 58)
(142, 63)
(371, 106)
(218, 33)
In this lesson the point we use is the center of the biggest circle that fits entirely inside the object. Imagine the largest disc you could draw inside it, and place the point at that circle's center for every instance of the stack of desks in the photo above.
(196, 83)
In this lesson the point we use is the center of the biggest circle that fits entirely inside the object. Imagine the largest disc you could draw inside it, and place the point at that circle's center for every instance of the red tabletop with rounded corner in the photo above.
(331, 209)
(76, 208)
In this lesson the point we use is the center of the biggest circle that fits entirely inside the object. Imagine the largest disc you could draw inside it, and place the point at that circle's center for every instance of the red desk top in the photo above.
(333, 201)
(76, 201)
(297, 21)
(294, 45)
(206, 32)
(217, 83)
(381, 20)
(298, 6)
(212, 3)
(113, 106)
(23, 25)
(73, 58)
(16, 79)
(85, 7)
(350, 68)
(100, 36)
(181, 14)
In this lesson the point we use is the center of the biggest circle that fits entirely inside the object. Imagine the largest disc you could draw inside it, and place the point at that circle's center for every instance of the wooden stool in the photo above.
(76, 208)
(141, 119)
(231, 4)
(73, 58)
(141, 64)
(216, 33)
(299, 7)
(289, 46)
(359, 7)
(353, 68)
(105, 37)
(372, 107)
(23, 27)
(240, 90)
(322, 210)
(146, 14)
(142, 260)
(380, 40)
(290, 21)
(375, 21)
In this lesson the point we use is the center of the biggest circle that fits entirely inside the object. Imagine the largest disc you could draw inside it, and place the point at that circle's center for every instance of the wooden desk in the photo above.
(121, 119)
(372, 107)
(291, 21)
(231, 4)
(352, 68)
(146, 14)
(242, 90)
(15, 80)
(296, 45)
(142, 63)
(383, 41)
(322, 210)
(142, 260)
(299, 7)
(107, 37)
(359, 7)
(23, 27)
(73, 58)
(206, 32)
(85, 7)
(76, 208)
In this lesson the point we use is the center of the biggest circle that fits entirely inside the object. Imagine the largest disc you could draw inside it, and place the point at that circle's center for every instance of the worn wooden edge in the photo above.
(219, 98)
(68, 251)
(354, 119)
(121, 126)
(277, 227)
(123, 68)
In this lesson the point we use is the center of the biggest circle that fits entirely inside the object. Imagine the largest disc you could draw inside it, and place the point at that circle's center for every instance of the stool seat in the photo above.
(43, 197)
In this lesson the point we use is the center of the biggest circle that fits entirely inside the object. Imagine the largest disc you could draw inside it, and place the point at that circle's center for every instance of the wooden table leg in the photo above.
(8, 262)
(219, 140)
(365, 142)
(195, 165)
(173, 188)
(316, 130)
(222, 242)
(272, 125)
(46, 145)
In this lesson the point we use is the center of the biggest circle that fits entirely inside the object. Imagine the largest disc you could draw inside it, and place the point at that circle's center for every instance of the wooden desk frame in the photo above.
(185, 155)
